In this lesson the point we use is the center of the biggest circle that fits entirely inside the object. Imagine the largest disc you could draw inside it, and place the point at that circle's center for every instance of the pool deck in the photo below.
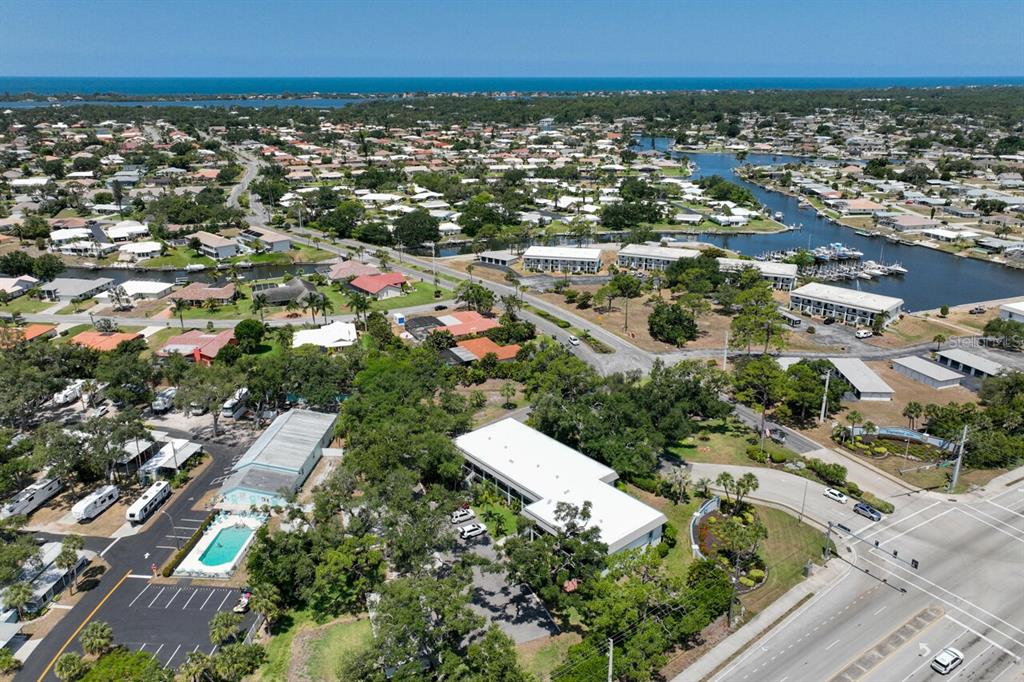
(191, 566)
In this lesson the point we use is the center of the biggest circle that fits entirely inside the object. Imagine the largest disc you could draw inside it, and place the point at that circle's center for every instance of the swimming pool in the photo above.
(226, 545)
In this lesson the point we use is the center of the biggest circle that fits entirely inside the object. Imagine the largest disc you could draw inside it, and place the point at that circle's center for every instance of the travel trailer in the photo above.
(144, 507)
(93, 504)
(31, 498)
(236, 405)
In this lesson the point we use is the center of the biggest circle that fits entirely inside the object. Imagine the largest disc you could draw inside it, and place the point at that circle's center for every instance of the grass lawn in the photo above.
(77, 307)
(25, 305)
(679, 557)
(422, 293)
(177, 257)
(541, 657)
(723, 442)
(72, 332)
(509, 520)
(329, 651)
(157, 340)
(790, 545)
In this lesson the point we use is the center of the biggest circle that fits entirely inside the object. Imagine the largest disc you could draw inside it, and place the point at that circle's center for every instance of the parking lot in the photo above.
(168, 621)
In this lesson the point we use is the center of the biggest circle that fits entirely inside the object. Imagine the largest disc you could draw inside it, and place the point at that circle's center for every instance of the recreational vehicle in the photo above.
(144, 507)
(69, 394)
(236, 405)
(31, 498)
(93, 504)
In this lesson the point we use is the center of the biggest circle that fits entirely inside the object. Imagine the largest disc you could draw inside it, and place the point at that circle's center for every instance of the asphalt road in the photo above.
(142, 622)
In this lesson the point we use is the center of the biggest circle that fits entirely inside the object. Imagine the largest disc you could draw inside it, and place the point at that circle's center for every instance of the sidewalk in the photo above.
(762, 623)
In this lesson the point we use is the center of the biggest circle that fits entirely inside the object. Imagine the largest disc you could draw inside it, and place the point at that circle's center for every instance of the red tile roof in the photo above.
(468, 322)
(373, 284)
(104, 340)
(482, 346)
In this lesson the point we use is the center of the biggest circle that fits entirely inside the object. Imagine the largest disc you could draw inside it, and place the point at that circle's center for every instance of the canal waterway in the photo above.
(934, 279)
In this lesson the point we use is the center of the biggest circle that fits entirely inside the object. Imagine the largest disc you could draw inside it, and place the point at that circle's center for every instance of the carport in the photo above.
(866, 384)
(969, 363)
(926, 372)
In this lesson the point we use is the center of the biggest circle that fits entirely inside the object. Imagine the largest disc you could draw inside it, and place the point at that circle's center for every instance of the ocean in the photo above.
(49, 86)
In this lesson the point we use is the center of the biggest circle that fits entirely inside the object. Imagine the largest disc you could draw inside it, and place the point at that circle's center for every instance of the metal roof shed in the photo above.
(866, 384)
(926, 372)
(969, 363)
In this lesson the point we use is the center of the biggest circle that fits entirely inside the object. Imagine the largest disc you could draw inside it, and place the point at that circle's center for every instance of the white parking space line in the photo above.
(173, 598)
(107, 548)
(156, 597)
(832, 644)
(168, 663)
(207, 599)
(978, 634)
(1003, 671)
(193, 520)
(166, 547)
(130, 604)
(974, 659)
(227, 593)
(157, 652)
(193, 596)
(879, 611)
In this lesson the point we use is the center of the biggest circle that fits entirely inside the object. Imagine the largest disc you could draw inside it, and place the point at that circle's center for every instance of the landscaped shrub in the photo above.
(778, 457)
(853, 489)
(669, 535)
(757, 454)
(756, 574)
(178, 556)
(746, 582)
(880, 505)
(748, 518)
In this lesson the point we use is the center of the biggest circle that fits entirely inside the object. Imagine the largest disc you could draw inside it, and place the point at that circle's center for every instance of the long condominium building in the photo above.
(647, 257)
(845, 305)
(780, 275)
(562, 259)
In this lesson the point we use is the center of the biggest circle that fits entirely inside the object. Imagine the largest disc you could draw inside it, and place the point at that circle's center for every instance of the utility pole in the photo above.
(725, 352)
(824, 398)
(803, 502)
(959, 460)
(828, 540)
(611, 649)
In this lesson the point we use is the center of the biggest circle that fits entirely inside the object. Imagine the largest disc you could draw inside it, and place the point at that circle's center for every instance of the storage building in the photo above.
(926, 372)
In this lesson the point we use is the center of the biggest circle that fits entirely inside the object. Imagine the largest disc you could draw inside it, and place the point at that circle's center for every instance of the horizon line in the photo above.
(633, 77)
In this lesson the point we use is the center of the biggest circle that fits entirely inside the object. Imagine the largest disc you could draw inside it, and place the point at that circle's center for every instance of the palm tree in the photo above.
(325, 305)
(178, 308)
(383, 258)
(97, 638)
(469, 271)
(68, 557)
(939, 339)
(285, 335)
(309, 304)
(70, 667)
(18, 595)
(196, 667)
(913, 412)
(359, 303)
(266, 601)
(224, 627)
(211, 305)
(291, 306)
(258, 304)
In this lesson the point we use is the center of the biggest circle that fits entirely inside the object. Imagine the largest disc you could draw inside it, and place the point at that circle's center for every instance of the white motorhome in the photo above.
(69, 394)
(31, 498)
(236, 405)
(93, 504)
(144, 507)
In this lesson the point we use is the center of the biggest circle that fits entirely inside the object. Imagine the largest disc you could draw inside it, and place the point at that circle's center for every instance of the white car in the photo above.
(472, 530)
(833, 494)
(948, 659)
(863, 333)
(460, 515)
(573, 341)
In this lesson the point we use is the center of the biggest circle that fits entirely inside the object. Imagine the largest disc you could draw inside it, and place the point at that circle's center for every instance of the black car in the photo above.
(440, 306)
(830, 320)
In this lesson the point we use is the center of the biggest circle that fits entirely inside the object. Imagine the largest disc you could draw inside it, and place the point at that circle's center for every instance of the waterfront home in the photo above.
(279, 462)
(350, 269)
(856, 206)
(135, 251)
(200, 347)
(901, 222)
(950, 236)
(538, 472)
(13, 287)
(214, 246)
(845, 305)
(381, 285)
(265, 240)
(562, 259)
(337, 334)
(139, 289)
(103, 341)
(647, 257)
(71, 289)
(781, 276)
(126, 231)
(198, 293)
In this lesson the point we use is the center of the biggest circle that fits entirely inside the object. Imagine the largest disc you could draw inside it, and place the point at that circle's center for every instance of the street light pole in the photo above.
(177, 540)
(959, 460)
(824, 398)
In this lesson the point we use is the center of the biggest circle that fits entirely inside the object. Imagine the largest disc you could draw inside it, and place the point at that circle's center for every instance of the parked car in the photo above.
(946, 660)
(573, 341)
(100, 411)
(978, 310)
(863, 333)
(829, 320)
(833, 494)
(777, 435)
(460, 515)
(472, 530)
(867, 511)
(440, 306)
(243, 603)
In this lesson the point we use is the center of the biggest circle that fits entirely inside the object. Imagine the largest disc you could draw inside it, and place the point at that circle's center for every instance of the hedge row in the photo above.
(178, 556)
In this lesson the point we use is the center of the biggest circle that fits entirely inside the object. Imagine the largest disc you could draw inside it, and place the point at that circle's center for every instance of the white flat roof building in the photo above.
(926, 372)
(337, 334)
(648, 257)
(1012, 311)
(845, 305)
(969, 363)
(781, 275)
(866, 384)
(542, 472)
(562, 258)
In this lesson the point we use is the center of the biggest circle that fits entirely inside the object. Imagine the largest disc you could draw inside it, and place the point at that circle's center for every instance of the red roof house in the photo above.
(383, 285)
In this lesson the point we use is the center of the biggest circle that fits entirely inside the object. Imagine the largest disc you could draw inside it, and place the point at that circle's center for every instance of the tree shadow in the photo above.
(90, 578)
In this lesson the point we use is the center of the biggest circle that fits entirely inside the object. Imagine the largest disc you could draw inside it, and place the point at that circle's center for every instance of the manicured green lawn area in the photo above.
(542, 660)
(72, 332)
(486, 513)
(679, 557)
(77, 307)
(723, 442)
(790, 545)
(157, 340)
(421, 293)
(237, 310)
(333, 645)
(177, 257)
(25, 305)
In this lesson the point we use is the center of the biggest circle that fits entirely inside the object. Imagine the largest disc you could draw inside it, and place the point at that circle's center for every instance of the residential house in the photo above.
(200, 347)
(380, 286)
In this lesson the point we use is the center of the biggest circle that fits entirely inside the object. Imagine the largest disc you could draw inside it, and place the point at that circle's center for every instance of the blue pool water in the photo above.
(225, 546)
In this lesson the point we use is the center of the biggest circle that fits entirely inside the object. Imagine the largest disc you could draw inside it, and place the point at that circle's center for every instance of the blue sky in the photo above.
(506, 38)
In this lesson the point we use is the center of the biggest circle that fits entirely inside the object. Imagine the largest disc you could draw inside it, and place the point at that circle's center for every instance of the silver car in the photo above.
(472, 530)
(947, 659)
